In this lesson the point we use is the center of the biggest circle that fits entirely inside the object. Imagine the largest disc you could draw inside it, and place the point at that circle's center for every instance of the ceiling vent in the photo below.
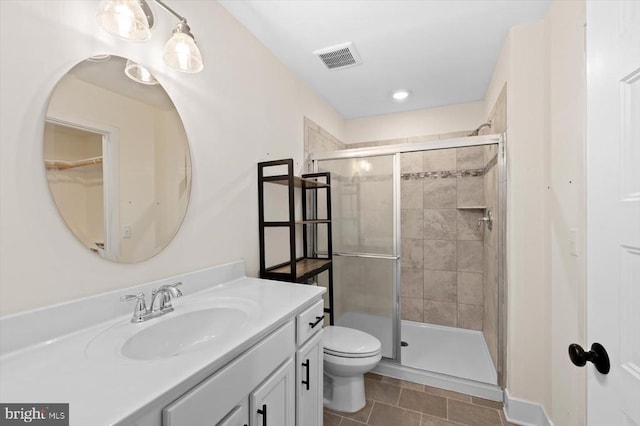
(339, 56)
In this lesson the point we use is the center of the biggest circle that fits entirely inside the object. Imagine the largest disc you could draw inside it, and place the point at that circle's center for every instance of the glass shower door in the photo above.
(365, 249)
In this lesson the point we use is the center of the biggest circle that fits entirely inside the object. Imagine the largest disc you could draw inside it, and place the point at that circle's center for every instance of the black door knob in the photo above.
(597, 355)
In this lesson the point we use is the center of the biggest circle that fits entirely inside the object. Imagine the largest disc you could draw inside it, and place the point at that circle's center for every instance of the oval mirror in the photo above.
(117, 159)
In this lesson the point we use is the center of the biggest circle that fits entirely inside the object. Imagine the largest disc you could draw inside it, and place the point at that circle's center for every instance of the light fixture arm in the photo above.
(171, 11)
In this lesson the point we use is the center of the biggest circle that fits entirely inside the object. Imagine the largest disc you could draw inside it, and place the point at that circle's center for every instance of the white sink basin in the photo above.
(182, 333)
(190, 327)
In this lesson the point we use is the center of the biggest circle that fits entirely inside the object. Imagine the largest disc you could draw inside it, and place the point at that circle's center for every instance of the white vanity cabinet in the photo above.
(276, 382)
(309, 367)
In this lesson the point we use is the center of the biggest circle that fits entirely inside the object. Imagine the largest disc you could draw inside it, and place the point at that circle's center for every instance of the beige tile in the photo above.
(440, 285)
(467, 225)
(389, 415)
(373, 376)
(424, 402)
(361, 416)
(350, 422)
(469, 256)
(412, 282)
(438, 160)
(470, 414)
(455, 135)
(470, 289)
(439, 193)
(470, 191)
(383, 392)
(411, 194)
(440, 224)
(412, 222)
(440, 313)
(436, 421)
(447, 393)
(411, 309)
(330, 419)
(402, 383)
(412, 253)
(470, 317)
(439, 255)
(411, 162)
(470, 157)
(487, 403)
(424, 138)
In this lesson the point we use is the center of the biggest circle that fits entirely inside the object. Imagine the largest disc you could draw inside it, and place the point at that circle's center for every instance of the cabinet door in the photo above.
(239, 416)
(273, 402)
(309, 380)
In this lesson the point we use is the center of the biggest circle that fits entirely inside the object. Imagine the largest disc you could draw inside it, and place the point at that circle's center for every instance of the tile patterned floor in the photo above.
(393, 402)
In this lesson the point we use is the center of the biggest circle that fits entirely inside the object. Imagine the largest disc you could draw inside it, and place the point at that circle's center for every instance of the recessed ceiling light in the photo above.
(400, 95)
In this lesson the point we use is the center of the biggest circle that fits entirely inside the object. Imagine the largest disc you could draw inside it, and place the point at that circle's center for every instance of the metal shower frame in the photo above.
(396, 150)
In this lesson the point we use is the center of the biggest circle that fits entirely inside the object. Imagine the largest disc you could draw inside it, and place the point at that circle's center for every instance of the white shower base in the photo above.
(448, 350)
(446, 357)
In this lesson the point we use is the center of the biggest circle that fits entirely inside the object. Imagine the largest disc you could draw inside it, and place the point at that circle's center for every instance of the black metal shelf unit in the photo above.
(300, 267)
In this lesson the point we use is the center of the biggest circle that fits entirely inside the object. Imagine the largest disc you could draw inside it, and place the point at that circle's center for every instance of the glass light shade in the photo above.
(124, 19)
(139, 74)
(182, 54)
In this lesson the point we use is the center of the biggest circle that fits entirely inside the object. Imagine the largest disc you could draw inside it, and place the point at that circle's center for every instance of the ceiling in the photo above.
(442, 51)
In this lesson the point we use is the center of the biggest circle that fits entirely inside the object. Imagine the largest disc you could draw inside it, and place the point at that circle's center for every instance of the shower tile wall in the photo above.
(442, 246)
(498, 119)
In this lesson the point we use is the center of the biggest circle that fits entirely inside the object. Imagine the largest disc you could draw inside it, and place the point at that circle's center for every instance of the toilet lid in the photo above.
(349, 342)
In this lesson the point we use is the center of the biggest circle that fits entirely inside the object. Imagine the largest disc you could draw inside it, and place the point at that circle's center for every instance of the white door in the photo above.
(613, 208)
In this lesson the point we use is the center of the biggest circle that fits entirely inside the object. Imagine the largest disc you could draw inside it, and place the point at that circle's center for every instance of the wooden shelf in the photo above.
(297, 181)
(304, 267)
(302, 263)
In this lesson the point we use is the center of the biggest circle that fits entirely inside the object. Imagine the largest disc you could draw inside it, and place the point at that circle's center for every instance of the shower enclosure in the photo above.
(418, 258)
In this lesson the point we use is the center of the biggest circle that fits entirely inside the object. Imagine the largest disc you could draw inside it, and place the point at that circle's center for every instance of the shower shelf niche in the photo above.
(472, 207)
(305, 265)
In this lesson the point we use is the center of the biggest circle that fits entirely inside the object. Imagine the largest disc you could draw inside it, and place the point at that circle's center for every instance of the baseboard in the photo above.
(525, 413)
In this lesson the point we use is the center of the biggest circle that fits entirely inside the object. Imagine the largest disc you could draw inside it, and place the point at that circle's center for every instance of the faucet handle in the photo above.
(178, 292)
(141, 306)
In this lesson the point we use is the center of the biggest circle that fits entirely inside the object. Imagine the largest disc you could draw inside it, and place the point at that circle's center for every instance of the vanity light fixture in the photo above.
(400, 95)
(139, 74)
(133, 20)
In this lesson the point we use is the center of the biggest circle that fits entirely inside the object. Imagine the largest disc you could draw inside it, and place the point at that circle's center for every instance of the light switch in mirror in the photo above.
(117, 161)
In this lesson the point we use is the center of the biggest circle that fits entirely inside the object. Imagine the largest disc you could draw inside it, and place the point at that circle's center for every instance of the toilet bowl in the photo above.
(348, 354)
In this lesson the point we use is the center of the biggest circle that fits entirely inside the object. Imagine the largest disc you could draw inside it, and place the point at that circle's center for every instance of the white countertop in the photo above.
(108, 389)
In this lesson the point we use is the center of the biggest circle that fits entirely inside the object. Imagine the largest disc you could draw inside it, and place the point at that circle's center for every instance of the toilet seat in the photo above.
(349, 343)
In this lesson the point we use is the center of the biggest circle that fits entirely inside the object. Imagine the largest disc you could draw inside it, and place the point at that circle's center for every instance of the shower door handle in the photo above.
(368, 255)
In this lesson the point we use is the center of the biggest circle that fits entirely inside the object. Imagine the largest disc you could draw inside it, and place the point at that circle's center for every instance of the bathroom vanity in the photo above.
(235, 351)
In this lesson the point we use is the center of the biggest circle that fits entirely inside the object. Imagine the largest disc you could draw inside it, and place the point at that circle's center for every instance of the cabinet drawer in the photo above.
(309, 322)
(215, 397)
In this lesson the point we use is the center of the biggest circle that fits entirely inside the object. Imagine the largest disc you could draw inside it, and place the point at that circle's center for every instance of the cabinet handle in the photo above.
(306, 366)
(263, 412)
(318, 320)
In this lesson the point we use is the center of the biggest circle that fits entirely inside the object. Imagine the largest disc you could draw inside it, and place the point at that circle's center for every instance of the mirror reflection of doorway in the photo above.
(74, 161)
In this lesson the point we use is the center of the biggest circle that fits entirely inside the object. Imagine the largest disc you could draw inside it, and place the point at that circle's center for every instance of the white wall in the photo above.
(430, 121)
(243, 108)
(566, 205)
(543, 66)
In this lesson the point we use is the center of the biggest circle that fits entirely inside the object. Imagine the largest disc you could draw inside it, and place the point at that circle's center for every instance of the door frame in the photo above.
(397, 149)
(110, 176)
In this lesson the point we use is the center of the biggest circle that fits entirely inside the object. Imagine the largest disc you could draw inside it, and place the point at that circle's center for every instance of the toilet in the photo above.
(348, 354)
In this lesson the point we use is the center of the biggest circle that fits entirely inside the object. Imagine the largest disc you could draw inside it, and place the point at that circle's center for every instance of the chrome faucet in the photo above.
(160, 302)
(161, 298)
